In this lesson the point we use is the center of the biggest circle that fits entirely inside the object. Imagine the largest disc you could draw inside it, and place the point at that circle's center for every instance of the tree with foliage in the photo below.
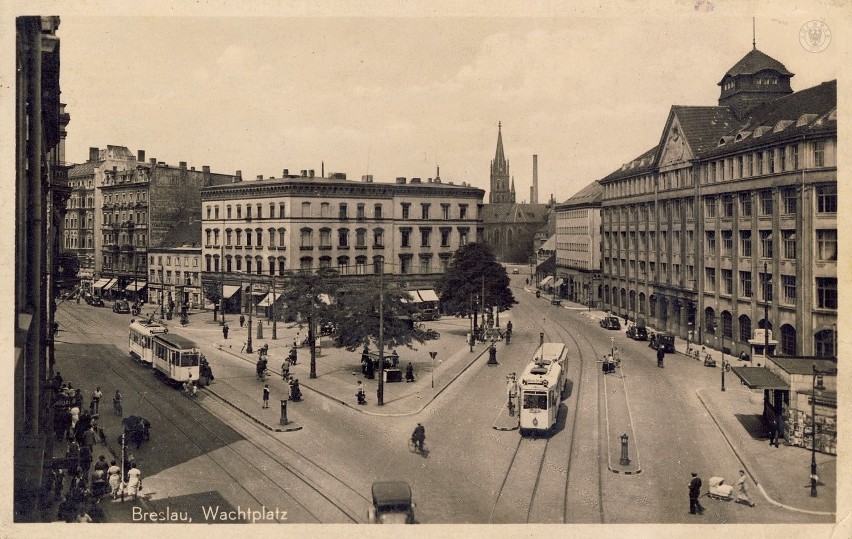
(356, 315)
(212, 291)
(473, 268)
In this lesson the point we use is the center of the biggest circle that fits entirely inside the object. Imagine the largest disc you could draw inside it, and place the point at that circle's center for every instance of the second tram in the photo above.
(141, 340)
(175, 357)
(542, 386)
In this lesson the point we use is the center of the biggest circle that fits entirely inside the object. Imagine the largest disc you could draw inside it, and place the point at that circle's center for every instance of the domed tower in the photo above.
(501, 191)
(756, 79)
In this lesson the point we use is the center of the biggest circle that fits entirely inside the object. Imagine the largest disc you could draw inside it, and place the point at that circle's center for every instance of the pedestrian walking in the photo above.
(75, 417)
(773, 432)
(89, 437)
(266, 395)
(694, 493)
(114, 474)
(409, 372)
(85, 459)
(242, 320)
(741, 487)
(225, 330)
(94, 406)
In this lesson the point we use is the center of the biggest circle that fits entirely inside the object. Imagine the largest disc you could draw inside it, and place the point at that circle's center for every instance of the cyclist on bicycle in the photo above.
(419, 436)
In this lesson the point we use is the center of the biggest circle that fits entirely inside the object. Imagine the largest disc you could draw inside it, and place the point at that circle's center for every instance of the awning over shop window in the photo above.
(759, 378)
(268, 300)
(427, 295)
(558, 283)
(111, 284)
(410, 296)
(229, 290)
(135, 285)
(101, 283)
(546, 280)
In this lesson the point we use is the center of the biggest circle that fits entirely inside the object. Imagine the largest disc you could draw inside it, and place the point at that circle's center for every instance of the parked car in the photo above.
(121, 306)
(637, 333)
(610, 322)
(96, 301)
(391, 503)
(664, 340)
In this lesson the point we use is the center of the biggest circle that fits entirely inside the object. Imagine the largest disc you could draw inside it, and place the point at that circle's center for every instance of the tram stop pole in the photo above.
(624, 459)
(283, 420)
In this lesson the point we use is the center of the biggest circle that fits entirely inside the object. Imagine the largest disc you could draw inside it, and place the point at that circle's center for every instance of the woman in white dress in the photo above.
(134, 480)
(114, 474)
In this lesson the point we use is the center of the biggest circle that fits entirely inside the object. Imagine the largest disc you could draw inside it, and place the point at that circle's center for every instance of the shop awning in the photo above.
(558, 283)
(428, 295)
(229, 290)
(135, 285)
(100, 283)
(268, 300)
(111, 284)
(759, 378)
(409, 296)
(546, 280)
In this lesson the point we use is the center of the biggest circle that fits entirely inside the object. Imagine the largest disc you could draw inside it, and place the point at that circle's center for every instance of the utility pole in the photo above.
(380, 393)
(311, 338)
(274, 328)
(248, 305)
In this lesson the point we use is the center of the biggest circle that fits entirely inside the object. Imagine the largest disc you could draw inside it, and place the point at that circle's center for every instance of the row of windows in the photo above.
(254, 238)
(576, 230)
(742, 166)
(118, 198)
(255, 211)
(167, 260)
(116, 218)
(670, 210)
(139, 240)
(278, 265)
(188, 278)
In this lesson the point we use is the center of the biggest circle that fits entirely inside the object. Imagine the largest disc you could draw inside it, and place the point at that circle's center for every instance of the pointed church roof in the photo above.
(754, 62)
(499, 156)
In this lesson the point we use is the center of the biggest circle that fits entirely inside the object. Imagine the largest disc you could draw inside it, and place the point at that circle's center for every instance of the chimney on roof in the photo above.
(94, 153)
(304, 173)
(182, 164)
(415, 180)
(285, 173)
(153, 161)
(260, 176)
(140, 156)
(368, 178)
(322, 170)
(192, 169)
(311, 173)
(114, 169)
(205, 171)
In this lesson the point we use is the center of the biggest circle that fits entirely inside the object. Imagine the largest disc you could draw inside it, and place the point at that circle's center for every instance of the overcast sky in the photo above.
(396, 96)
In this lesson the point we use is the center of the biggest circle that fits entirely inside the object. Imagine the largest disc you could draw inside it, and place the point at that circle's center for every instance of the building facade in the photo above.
(139, 203)
(269, 227)
(41, 193)
(730, 223)
(513, 231)
(174, 268)
(578, 252)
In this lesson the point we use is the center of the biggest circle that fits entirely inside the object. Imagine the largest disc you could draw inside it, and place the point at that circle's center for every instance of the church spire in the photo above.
(500, 173)
(499, 156)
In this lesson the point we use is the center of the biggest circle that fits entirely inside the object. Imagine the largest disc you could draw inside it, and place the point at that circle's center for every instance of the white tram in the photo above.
(541, 387)
(176, 357)
(141, 340)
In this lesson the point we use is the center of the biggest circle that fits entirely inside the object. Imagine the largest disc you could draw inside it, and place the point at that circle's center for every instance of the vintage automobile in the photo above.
(391, 503)
(121, 306)
(96, 301)
(637, 333)
(664, 341)
(610, 322)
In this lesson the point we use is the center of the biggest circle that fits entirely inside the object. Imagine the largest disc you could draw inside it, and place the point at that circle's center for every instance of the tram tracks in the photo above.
(279, 484)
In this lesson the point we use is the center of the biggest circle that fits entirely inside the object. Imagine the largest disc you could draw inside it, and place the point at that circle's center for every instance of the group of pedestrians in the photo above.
(740, 493)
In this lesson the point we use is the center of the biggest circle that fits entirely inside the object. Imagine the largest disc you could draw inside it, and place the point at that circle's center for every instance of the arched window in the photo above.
(709, 321)
(305, 263)
(745, 328)
(788, 340)
(272, 265)
(208, 261)
(248, 237)
(343, 264)
(641, 303)
(248, 264)
(282, 264)
(727, 325)
(228, 261)
(325, 262)
(272, 238)
(258, 260)
(259, 233)
(239, 263)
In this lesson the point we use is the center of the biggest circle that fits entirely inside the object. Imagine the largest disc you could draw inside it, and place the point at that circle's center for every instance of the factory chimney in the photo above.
(534, 191)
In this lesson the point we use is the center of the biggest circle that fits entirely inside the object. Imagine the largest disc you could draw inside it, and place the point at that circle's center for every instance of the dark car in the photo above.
(96, 301)
(637, 333)
(391, 503)
(664, 341)
(610, 322)
(121, 306)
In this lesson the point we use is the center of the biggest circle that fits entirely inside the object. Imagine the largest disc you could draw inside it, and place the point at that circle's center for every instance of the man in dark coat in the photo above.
(694, 493)
(225, 330)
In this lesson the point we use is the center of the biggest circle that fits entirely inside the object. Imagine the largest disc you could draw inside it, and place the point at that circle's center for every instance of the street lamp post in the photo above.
(722, 341)
(767, 290)
(380, 393)
(432, 355)
(816, 384)
(248, 306)
(162, 291)
(274, 327)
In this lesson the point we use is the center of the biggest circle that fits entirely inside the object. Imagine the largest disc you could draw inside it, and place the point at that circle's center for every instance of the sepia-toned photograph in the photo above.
(293, 263)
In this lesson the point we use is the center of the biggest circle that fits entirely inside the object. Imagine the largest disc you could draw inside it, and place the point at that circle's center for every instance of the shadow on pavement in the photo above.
(753, 424)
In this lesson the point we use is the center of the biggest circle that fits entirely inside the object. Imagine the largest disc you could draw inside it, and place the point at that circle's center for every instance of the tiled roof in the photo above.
(84, 169)
(641, 164)
(183, 234)
(785, 112)
(514, 213)
(754, 62)
(590, 194)
(803, 365)
(704, 126)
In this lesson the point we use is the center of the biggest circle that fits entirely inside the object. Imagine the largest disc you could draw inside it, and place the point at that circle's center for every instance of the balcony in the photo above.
(360, 247)
(128, 247)
(282, 247)
(325, 247)
(306, 248)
